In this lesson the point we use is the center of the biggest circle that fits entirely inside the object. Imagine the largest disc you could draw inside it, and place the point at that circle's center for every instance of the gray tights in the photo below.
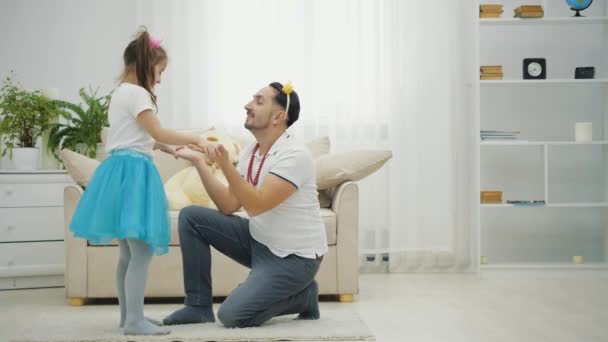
(131, 276)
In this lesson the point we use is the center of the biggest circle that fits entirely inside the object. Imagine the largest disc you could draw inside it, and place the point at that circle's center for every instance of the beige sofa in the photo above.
(90, 269)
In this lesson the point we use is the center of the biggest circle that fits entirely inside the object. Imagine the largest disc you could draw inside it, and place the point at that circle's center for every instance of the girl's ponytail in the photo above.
(141, 55)
(144, 67)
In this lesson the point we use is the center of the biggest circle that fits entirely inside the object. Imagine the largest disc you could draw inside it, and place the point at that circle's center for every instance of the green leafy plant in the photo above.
(82, 132)
(24, 116)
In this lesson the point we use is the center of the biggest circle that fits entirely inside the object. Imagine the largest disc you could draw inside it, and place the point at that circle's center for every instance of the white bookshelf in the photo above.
(554, 266)
(549, 205)
(545, 21)
(549, 82)
(547, 163)
(541, 143)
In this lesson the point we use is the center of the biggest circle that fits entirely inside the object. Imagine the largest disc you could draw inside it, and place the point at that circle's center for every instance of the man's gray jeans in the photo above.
(275, 286)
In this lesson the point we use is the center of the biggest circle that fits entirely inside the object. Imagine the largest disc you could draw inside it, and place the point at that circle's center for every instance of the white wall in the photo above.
(65, 44)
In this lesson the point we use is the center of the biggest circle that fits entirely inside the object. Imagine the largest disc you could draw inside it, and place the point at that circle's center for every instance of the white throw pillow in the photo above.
(80, 168)
(336, 168)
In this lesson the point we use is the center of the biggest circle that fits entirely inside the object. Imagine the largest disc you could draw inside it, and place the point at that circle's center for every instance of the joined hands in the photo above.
(209, 153)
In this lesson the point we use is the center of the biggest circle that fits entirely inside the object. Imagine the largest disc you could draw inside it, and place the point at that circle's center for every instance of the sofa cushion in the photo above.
(318, 147)
(336, 168)
(80, 168)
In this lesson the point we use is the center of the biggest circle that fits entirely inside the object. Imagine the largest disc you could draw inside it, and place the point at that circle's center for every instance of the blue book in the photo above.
(526, 202)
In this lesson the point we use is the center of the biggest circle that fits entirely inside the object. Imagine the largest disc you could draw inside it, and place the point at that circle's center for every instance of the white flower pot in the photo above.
(25, 158)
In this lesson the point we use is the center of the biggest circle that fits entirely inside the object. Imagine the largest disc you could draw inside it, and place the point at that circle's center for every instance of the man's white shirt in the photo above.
(295, 225)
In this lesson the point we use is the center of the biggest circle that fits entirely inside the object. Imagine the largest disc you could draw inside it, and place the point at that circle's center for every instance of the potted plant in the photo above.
(82, 132)
(24, 116)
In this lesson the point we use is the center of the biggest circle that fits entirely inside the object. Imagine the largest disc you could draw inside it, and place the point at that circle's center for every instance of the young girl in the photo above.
(125, 199)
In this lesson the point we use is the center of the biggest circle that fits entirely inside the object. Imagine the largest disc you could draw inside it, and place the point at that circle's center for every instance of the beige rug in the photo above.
(99, 324)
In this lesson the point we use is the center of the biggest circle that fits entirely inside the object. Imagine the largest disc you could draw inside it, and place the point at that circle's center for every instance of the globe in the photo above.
(579, 5)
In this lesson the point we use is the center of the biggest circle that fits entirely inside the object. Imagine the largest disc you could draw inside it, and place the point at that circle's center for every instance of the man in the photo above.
(282, 242)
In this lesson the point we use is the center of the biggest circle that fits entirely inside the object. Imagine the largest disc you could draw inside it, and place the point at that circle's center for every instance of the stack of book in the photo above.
(491, 197)
(490, 11)
(499, 135)
(491, 72)
(529, 11)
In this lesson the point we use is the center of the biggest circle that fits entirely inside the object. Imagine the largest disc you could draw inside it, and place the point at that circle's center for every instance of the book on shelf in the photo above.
(492, 74)
(490, 78)
(520, 202)
(490, 15)
(490, 11)
(499, 132)
(500, 139)
(490, 68)
(529, 12)
(491, 197)
(530, 8)
(499, 135)
(530, 15)
(490, 7)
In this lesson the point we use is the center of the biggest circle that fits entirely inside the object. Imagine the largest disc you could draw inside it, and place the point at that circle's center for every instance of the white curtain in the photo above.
(371, 75)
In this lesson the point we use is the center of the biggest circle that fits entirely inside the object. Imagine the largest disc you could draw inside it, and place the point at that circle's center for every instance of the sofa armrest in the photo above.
(345, 203)
(75, 248)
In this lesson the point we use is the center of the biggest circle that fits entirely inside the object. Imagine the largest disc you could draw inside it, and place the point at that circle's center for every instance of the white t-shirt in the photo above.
(294, 226)
(128, 101)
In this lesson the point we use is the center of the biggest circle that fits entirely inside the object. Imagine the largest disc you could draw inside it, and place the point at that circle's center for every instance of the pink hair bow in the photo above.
(154, 43)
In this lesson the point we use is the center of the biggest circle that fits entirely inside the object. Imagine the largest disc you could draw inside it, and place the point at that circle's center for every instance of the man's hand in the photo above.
(219, 155)
(213, 153)
(202, 143)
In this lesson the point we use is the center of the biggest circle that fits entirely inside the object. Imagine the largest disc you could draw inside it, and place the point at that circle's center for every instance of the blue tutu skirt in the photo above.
(125, 199)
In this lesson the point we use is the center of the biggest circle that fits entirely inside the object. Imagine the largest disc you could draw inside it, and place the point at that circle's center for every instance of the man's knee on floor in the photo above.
(231, 318)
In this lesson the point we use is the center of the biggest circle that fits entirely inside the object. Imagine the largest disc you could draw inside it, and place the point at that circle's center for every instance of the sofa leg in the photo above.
(346, 298)
(76, 301)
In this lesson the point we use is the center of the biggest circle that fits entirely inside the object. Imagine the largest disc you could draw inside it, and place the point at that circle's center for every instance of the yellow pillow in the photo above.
(230, 144)
(186, 188)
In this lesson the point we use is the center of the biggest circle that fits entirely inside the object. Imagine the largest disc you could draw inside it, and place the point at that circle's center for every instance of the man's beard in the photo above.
(253, 127)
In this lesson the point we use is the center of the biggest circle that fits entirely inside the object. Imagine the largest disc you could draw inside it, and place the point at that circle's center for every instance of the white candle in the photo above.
(583, 131)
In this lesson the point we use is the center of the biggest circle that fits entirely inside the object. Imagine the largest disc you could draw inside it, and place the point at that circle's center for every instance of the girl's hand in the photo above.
(205, 151)
(189, 154)
(169, 150)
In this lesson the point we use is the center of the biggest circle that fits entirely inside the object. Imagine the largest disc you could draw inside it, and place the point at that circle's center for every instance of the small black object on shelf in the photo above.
(584, 72)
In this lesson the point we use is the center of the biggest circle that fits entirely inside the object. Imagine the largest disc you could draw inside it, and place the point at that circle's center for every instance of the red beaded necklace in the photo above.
(249, 169)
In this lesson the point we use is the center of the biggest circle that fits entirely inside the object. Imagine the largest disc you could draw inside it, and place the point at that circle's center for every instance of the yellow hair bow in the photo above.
(287, 88)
